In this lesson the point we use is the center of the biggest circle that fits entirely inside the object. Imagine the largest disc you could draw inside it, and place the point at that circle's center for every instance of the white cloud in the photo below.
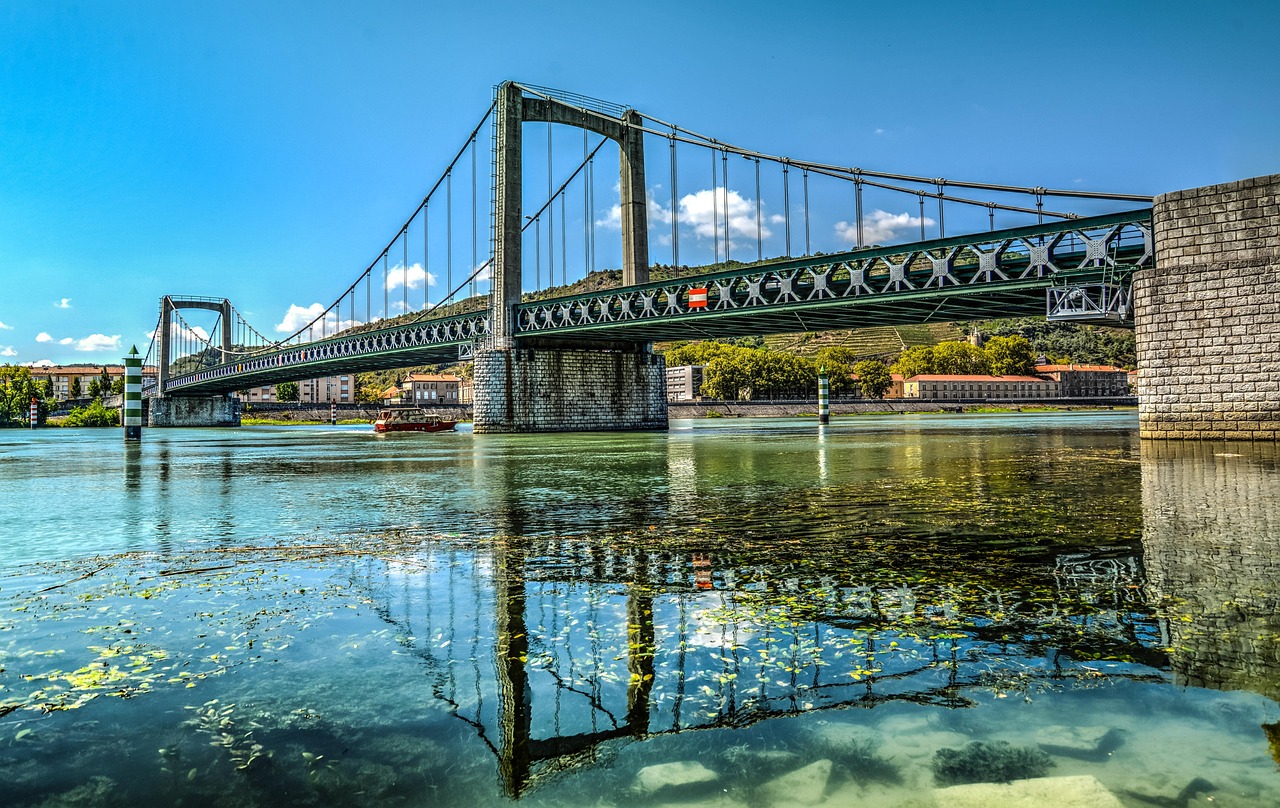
(879, 131)
(4, 327)
(297, 318)
(39, 363)
(66, 341)
(64, 303)
(43, 337)
(878, 227)
(99, 342)
(703, 212)
(7, 350)
(413, 278)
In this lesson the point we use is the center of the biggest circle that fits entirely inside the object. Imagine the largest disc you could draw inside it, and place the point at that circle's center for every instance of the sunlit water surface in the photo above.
(732, 613)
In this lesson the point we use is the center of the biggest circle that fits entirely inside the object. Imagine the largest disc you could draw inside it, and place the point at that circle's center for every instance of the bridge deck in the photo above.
(997, 274)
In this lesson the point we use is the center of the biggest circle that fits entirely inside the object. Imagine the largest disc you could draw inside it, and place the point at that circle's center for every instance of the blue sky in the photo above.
(266, 152)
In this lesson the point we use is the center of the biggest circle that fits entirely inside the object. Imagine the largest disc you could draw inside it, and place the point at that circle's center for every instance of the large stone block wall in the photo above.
(1209, 525)
(193, 411)
(555, 390)
(1208, 315)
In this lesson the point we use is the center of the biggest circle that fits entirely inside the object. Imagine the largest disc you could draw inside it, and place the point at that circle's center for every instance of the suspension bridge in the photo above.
(762, 244)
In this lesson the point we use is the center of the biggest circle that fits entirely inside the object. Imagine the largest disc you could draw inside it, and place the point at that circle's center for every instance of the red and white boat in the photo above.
(410, 420)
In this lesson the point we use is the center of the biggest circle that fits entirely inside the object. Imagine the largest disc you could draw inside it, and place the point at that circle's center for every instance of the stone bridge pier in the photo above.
(1208, 315)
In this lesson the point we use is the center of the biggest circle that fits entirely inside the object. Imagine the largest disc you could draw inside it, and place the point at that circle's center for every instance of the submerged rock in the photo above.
(1082, 791)
(805, 786)
(1085, 743)
(667, 777)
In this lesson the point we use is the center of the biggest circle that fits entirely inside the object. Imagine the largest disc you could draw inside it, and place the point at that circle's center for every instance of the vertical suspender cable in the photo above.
(551, 220)
(942, 222)
(786, 203)
(426, 255)
(448, 229)
(368, 296)
(564, 243)
(920, 194)
(759, 231)
(991, 215)
(404, 244)
(715, 208)
(386, 303)
(586, 208)
(857, 193)
(591, 183)
(724, 175)
(475, 219)
(805, 175)
(675, 205)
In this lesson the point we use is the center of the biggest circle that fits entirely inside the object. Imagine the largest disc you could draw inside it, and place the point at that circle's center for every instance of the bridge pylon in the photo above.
(525, 385)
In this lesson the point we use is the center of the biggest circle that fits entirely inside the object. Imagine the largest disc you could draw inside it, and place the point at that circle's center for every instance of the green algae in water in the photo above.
(995, 762)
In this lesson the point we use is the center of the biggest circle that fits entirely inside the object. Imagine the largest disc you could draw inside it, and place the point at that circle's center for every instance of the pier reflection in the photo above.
(1211, 519)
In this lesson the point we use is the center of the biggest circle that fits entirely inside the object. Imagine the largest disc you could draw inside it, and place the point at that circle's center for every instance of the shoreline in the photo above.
(275, 414)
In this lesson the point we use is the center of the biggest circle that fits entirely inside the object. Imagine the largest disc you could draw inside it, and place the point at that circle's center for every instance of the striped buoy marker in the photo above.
(333, 412)
(133, 396)
(824, 396)
(35, 412)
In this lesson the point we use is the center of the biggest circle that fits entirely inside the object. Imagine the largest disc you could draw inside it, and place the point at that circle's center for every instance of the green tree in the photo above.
(873, 378)
(959, 358)
(74, 390)
(95, 414)
(95, 388)
(104, 382)
(117, 386)
(839, 363)
(1010, 356)
(915, 361)
(697, 353)
(287, 391)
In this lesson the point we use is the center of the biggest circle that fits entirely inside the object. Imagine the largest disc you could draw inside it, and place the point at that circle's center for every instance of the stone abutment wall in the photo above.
(1208, 315)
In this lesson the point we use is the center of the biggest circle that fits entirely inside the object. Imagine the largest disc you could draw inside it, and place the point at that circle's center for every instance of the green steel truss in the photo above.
(1078, 269)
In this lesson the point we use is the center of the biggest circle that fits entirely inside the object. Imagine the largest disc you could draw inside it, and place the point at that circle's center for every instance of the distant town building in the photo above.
(1088, 381)
(684, 383)
(426, 389)
(326, 390)
(62, 377)
(958, 387)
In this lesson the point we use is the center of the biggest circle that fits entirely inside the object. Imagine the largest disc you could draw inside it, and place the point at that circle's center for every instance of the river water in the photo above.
(732, 613)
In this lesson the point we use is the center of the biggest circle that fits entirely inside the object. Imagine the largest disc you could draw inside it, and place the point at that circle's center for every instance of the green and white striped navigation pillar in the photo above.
(133, 396)
(824, 396)
(35, 412)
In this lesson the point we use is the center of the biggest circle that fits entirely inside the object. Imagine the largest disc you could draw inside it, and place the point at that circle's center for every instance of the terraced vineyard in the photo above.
(884, 342)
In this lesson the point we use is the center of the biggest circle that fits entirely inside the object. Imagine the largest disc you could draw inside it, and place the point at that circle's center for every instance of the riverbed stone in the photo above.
(1086, 743)
(802, 787)
(1080, 791)
(673, 777)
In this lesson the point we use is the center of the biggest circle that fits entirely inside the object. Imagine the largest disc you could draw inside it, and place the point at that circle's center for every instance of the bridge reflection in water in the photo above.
(550, 649)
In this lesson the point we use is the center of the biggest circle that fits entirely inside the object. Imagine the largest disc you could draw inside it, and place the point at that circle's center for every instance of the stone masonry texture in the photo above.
(545, 390)
(1208, 315)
